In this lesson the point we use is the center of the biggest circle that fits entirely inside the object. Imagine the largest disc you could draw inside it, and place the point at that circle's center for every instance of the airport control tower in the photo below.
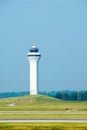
(33, 57)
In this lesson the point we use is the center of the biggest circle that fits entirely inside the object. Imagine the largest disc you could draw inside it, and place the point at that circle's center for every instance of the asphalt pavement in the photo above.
(43, 112)
(43, 120)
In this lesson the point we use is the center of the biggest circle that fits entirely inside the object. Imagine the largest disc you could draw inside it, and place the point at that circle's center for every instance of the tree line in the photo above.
(70, 95)
(64, 95)
(13, 94)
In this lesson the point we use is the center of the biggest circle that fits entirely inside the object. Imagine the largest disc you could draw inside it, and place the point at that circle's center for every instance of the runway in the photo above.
(42, 112)
(43, 120)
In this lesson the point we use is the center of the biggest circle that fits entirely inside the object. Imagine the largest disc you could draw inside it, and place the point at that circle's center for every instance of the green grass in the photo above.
(40, 103)
(43, 116)
(43, 126)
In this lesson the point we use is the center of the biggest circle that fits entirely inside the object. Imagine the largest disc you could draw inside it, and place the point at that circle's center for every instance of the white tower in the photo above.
(33, 57)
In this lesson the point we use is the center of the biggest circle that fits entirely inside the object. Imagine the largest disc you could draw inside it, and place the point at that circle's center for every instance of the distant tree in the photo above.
(58, 95)
(63, 95)
(66, 96)
(74, 95)
(83, 95)
(52, 93)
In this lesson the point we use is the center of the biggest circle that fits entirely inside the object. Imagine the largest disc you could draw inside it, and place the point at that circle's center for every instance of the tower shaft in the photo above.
(33, 75)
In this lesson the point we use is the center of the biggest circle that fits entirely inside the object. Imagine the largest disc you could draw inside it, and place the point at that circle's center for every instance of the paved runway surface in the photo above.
(43, 120)
(43, 112)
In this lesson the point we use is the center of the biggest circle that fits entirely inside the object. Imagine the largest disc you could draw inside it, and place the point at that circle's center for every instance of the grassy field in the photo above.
(14, 108)
(43, 126)
(66, 109)
(43, 116)
(40, 103)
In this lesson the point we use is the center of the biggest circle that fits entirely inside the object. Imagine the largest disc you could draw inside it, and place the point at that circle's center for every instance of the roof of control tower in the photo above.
(34, 49)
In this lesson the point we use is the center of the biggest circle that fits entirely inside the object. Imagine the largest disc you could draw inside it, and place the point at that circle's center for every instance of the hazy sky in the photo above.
(58, 28)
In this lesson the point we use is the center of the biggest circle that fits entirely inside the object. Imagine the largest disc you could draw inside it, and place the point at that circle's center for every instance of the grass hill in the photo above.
(30, 99)
(40, 103)
(38, 99)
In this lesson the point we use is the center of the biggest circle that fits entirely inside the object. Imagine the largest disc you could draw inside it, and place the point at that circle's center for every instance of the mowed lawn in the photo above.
(40, 103)
(43, 116)
(12, 108)
(43, 126)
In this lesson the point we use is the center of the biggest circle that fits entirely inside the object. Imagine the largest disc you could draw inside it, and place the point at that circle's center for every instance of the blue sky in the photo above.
(58, 28)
